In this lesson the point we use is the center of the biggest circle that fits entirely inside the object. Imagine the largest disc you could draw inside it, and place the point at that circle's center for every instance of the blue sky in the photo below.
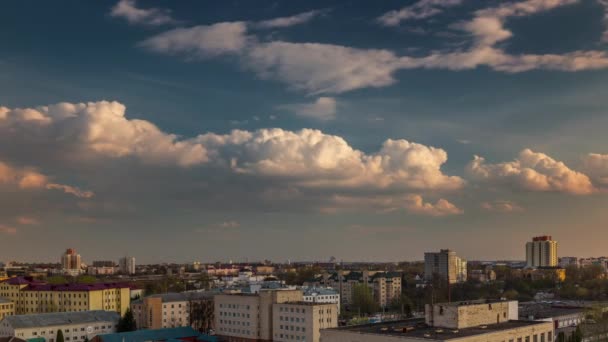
(302, 129)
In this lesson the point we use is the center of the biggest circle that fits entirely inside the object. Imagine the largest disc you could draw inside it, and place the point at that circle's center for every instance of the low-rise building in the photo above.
(385, 286)
(477, 321)
(7, 308)
(326, 295)
(565, 317)
(302, 321)
(171, 310)
(75, 326)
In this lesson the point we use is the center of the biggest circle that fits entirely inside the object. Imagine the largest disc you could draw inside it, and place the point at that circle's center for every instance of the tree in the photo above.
(127, 322)
(402, 304)
(86, 279)
(57, 280)
(577, 335)
(561, 337)
(363, 299)
(59, 337)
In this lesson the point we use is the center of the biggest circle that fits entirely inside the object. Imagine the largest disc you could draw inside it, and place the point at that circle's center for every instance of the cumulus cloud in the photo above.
(98, 127)
(324, 108)
(415, 204)
(318, 68)
(29, 179)
(128, 10)
(596, 166)
(532, 171)
(501, 206)
(8, 230)
(282, 22)
(419, 10)
(311, 158)
(411, 203)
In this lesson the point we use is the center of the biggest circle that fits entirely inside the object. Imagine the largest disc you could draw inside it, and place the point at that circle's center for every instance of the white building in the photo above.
(127, 265)
(325, 295)
(76, 326)
(541, 252)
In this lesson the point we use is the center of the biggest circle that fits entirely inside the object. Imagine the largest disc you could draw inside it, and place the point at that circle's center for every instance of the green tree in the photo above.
(59, 337)
(57, 280)
(127, 322)
(363, 299)
(86, 279)
(402, 304)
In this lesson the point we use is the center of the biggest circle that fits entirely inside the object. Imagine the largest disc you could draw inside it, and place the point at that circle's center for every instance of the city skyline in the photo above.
(301, 130)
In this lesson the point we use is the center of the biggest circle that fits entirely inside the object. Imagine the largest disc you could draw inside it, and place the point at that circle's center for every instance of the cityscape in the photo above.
(310, 171)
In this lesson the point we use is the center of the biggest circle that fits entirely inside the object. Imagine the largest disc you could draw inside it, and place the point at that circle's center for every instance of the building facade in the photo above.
(445, 264)
(385, 286)
(7, 308)
(172, 310)
(302, 321)
(75, 326)
(31, 297)
(541, 252)
(71, 262)
(127, 265)
(326, 295)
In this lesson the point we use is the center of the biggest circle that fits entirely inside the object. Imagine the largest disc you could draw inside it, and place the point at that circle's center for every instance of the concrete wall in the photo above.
(456, 316)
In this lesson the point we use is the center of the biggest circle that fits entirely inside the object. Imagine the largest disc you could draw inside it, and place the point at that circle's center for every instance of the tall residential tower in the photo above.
(541, 252)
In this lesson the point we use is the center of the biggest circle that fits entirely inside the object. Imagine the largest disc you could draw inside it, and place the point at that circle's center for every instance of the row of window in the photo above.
(292, 319)
(244, 323)
(234, 314)
(235, 306)
(292, 328)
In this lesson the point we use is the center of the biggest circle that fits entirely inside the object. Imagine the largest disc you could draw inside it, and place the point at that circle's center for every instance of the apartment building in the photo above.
(30, 296)
(445, 264)
(127, 265)
(541, 252)
(172, 310)
(476, 321)
(302, 321)
(75, 326)
(385, 286)
(265, 315)
(325, 295)
(7, 308)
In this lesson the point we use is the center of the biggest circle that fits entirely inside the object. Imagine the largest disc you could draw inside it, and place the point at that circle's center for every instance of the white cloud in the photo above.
(282, 22)
(201, 41)
(318, 68)
(532, 171)
(419, 10)
(150, 16)
(324, 108)
(71, 190)
(415, 204)
(501, 206)
(311, 158)
(411, 203)
(102, 128)
(596, 166)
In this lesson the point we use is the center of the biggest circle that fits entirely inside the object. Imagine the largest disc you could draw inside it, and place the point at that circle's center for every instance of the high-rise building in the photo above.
(446, 264)
(127, 265)
(541, 252)
(70, 261)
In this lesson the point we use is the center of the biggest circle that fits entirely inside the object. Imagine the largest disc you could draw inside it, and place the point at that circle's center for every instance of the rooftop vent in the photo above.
(484, 327)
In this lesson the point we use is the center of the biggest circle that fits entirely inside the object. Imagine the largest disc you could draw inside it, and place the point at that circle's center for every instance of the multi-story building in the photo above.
(75, 326)
(171, 310)
(564, 262)
(71, 262)
(127, 265)
(30, 296)
(265, 315)
(385, 286)
(101, 270)
(104, 263)
(302, 321)
(477, 321)
(7, 308)
(326, 295)
(541, 252)
(445, 264)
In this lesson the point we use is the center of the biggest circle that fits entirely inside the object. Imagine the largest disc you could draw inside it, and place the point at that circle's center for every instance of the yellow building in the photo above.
(7, 308)
(30, 296)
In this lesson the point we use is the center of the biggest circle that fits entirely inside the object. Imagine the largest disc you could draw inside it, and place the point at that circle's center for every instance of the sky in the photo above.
(300, 130)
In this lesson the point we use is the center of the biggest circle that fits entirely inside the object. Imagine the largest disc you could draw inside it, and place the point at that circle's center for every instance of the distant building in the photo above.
(31, 296)
(564, 262)
(541, 252)
(483, 276)
(103, 263)
(326, 295)
(475, 321)
(76, 326)
(565, 316)
(101, 270)
(127, 265)
(385, 286)
(171, 310)
(71, 262)
(446, 264)
(277, 315)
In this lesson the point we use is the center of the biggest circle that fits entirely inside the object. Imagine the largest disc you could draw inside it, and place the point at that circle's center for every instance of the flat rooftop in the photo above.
(416, 328)
(542, 310)
(474, 302)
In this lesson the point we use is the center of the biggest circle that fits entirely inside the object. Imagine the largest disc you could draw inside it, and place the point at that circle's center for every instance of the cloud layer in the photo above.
(128, 10)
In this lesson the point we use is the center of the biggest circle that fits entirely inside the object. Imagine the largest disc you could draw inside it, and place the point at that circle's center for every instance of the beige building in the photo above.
(264, 316)
(385, 286)
(302, 321)
(7, 308)
(541, 252)
(30, 296)
(71, 261)
(478, 321)
(445, 264)
(171, 310)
